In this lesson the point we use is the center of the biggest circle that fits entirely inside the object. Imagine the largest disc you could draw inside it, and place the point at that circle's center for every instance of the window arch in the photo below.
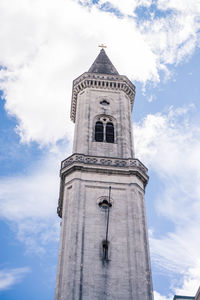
(99, 130)
(104, 129)
(109, 132)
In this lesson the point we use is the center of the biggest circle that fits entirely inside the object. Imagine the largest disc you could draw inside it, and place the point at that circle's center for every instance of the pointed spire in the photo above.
(103, 65)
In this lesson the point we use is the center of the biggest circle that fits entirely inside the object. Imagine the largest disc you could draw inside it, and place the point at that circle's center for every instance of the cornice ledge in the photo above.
(100, 81)
(106, 170)
(100, 164)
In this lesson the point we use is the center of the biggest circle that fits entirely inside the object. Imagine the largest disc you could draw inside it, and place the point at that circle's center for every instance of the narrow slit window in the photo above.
(99, 131)
(105, 250)
(109, 132)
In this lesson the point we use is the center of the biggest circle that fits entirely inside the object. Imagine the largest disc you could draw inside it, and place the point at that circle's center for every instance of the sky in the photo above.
(45, 45)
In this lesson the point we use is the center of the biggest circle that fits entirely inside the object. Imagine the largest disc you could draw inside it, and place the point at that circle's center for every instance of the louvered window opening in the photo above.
(99, 132)
(104, 132)
(109, 132)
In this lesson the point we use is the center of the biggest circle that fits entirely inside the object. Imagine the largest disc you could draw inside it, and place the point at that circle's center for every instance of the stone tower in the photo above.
(104, 252)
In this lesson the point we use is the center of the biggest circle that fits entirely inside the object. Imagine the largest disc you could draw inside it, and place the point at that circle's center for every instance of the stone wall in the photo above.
(82, 272)
(89, 107)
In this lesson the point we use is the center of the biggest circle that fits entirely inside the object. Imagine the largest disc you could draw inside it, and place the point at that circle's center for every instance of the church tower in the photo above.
(104, 252)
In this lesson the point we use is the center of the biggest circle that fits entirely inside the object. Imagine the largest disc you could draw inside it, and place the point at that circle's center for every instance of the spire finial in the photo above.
(102, 46)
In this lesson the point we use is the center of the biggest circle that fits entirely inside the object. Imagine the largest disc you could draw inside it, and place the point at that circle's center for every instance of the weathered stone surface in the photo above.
(89, 107)
(86, 176)
(82, 272)
(105, 83)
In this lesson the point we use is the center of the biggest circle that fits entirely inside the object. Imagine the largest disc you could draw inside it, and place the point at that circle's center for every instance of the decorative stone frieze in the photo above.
(103, 161)
(101, 81)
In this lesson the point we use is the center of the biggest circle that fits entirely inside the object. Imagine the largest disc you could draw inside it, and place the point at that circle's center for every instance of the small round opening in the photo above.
(104, 204)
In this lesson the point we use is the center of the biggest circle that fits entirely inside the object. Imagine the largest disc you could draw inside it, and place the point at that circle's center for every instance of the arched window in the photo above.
(109, 132)
(104, 129)
(99, 131)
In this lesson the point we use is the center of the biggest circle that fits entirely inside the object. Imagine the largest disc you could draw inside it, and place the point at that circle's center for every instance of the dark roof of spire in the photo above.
(103, 65)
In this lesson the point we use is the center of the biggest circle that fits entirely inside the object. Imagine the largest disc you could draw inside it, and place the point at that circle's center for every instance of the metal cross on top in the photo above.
(102, 46)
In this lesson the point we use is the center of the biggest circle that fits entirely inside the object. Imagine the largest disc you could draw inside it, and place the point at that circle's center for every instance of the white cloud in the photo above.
(34, 195)
(188, 286)
(43, 54)
(169, 143)
(9, 277)
(29, 202)
(125, 7)
(40, 236)
(184, 5)
(47, 45)
(174, 36)
(190, 282)
(151, 98)
(157, 296)
(165, 139)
